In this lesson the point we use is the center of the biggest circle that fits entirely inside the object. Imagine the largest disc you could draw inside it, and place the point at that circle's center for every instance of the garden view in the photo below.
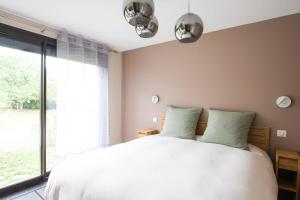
(20, 115)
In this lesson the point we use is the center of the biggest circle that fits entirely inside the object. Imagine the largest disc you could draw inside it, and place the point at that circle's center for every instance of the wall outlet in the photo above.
(154, 119)
(281, 133)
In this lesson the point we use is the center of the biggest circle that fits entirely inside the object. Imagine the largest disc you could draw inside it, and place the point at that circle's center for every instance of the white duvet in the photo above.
(164, 168)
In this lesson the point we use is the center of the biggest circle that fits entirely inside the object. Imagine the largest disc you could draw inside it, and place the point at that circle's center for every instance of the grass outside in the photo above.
(20, 144)
(18, 165)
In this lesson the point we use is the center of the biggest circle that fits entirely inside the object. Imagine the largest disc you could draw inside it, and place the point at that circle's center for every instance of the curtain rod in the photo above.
(32, 26)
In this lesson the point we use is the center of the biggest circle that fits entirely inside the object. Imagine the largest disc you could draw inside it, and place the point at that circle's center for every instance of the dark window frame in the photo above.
(44, 42)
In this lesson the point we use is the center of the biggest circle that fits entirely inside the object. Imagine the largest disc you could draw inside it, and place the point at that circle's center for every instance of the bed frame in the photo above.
(258, 136)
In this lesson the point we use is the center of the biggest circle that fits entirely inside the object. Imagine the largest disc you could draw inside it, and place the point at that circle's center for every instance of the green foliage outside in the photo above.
(20, 82)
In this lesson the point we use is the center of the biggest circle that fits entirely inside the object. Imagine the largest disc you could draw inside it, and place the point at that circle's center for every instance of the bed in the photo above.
(166, 168)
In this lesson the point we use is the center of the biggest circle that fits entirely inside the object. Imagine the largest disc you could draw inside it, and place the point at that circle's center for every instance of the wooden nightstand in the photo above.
(288, 173)
(147, 132)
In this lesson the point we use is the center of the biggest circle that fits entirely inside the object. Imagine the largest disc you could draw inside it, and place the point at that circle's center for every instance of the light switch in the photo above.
(281, 133)
(154, 119)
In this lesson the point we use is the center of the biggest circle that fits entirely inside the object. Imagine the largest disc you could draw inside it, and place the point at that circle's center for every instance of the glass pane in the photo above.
(19, 112)
(51, 114)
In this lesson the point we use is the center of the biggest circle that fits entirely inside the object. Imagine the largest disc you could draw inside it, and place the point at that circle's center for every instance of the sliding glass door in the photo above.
(23, 106)
(19, 112)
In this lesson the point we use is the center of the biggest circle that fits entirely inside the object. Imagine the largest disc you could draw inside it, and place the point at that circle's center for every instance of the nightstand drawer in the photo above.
(288, 164)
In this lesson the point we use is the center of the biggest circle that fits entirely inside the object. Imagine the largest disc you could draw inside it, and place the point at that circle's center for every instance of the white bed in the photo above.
(164, 168)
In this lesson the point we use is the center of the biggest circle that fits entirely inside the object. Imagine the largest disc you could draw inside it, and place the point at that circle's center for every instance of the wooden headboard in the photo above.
(258, 136)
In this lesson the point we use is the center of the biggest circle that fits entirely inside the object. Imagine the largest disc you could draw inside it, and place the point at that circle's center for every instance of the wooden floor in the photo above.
(33, 193)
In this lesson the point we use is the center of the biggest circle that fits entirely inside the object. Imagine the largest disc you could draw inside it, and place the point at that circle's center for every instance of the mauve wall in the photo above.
(241, 68)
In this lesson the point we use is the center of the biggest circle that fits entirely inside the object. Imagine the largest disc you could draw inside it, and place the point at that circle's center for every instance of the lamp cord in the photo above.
(188, 6)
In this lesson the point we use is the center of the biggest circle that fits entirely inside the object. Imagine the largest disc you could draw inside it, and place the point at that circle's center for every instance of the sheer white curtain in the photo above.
(82, 95)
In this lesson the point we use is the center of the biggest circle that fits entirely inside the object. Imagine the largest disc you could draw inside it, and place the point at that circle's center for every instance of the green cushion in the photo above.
(228, 128)
(181, 122)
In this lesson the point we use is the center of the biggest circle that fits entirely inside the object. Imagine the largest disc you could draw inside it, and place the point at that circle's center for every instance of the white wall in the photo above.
(115, 97)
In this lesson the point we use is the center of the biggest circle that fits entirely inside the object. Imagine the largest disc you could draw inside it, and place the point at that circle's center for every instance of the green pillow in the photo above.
(181, 122)
(228, 128)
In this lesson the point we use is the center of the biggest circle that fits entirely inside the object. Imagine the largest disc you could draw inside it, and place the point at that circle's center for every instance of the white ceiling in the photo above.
(102, 20)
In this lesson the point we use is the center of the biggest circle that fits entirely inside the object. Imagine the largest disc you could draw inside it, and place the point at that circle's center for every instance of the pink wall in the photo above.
(241, 68)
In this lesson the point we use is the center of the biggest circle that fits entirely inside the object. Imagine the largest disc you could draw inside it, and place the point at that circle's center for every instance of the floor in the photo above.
(33, 193)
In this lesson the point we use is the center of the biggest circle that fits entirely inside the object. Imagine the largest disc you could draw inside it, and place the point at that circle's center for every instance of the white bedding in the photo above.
(164, 168)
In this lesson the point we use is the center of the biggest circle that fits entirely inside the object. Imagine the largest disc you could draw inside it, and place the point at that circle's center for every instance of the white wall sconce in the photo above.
(284, 102)
(155, 99)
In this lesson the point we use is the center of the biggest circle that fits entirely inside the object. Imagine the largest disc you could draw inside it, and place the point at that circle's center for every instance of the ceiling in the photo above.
(102, 20)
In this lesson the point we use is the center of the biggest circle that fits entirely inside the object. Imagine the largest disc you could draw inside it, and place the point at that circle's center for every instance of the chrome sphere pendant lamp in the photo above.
(138, 11)
(140, 14)
(148, 30)
(189, 27)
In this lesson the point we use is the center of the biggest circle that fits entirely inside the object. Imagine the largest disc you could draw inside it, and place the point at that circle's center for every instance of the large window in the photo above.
(26, 94)
(53, 102)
